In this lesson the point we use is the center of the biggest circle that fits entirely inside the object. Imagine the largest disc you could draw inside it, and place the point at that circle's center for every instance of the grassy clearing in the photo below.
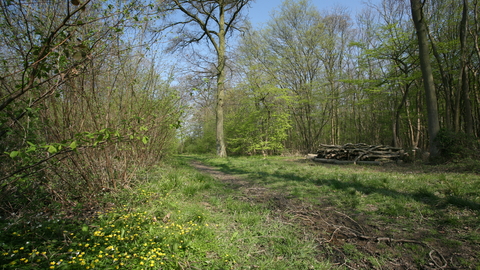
(396, 193)
(183, 219)
(438, 209)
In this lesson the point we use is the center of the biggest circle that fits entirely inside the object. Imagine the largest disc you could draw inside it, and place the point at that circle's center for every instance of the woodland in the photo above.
(106, 104)
(93, 93)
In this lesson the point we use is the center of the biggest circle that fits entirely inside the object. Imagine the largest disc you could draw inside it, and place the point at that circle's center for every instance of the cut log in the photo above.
(335, 161)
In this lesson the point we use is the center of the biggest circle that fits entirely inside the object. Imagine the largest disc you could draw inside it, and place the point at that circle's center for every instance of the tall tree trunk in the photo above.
(467, 109)
(428, 83)
(447, 88)
(221, 148)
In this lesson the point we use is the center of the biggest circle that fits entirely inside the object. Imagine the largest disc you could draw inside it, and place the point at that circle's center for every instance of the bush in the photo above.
(457, 145)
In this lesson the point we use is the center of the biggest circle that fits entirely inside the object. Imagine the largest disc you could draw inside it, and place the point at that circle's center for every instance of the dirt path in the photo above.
(334, 230)
(250, 192)
(233, 181)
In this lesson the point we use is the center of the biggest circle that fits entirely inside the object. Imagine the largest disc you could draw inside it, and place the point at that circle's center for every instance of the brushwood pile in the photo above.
(359, 152)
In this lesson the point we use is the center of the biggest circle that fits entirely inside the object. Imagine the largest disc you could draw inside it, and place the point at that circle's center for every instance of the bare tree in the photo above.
(213, 21)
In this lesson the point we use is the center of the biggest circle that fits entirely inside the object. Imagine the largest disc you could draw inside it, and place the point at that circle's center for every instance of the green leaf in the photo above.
(73, 145)
(32, 148)
(52, 149)
(145, 140)
(13, 154)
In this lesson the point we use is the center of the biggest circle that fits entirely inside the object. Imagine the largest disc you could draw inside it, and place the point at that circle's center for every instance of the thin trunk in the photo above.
(221, 148)
(396, 127)
(447, 88)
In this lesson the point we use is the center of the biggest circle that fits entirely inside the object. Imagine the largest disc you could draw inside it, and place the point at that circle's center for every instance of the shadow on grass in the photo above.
(421, 195)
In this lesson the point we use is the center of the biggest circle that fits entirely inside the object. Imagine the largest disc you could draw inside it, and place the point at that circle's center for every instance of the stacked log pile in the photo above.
(358, 153)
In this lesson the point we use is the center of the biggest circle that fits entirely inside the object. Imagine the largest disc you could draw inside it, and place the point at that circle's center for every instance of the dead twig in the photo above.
(435, 261)
(352, 220)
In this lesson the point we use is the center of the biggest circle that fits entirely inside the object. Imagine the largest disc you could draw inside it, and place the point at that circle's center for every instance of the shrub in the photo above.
(457, 145)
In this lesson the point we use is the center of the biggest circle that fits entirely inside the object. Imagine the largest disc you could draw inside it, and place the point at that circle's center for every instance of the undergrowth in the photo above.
(179, 219)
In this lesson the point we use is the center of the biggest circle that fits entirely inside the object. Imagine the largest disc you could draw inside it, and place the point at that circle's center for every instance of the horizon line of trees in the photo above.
(309, 77)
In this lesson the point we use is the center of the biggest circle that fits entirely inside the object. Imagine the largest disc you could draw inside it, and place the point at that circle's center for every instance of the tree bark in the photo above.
(467, 109)
(428, 83)
(221, 148)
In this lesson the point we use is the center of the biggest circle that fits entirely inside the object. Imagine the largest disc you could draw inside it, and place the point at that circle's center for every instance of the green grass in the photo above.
(395, 193)
(437, 208)
(184, 219)
(179, 219)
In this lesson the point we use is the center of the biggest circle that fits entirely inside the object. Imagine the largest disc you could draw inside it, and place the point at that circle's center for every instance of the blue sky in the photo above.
(261, 9)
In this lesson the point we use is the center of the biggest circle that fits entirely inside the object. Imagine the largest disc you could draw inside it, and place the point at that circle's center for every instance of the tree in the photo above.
(81, 105)
(212, 20)
(292, 50)
(464, 85)
(427, 74)
(258, 117)
(398, 53)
